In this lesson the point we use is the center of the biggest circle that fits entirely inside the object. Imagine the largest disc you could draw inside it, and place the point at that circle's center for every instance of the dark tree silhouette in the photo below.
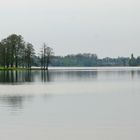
(14, 52)
(29, 53)
(46, 55)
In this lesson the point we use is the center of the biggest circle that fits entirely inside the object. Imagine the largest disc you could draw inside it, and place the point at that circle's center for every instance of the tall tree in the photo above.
(5, 53)
(2, 55)
(14, 45)
(29, 53)
(46, 55)
(133, 61)
(15, 52)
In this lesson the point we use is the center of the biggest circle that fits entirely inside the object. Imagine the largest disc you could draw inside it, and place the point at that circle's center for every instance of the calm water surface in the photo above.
(70, 104)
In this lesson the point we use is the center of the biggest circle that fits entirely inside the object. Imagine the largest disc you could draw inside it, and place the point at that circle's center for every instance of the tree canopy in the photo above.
(15, 52)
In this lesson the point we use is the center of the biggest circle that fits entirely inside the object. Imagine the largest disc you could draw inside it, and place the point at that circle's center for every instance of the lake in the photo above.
(101, 103)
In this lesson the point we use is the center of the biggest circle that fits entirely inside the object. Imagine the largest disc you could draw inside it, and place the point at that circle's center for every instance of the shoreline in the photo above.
(71, 68)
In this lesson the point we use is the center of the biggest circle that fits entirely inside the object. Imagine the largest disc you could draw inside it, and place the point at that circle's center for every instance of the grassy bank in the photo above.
(19, 69)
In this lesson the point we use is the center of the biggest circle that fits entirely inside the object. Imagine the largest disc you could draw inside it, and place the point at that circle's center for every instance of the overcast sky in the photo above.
(106, 27)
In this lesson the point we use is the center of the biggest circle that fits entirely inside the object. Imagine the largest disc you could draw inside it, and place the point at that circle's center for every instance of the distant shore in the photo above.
(68, 68)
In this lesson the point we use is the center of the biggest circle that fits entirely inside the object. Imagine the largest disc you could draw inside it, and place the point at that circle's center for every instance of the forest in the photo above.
(16, 53)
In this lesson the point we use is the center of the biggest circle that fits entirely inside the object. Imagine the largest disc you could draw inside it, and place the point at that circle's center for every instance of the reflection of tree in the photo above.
(73, 75)
(7, 76)
(135, 73)
(132, 74)
(15, 101)
(45, 76)
(28, 76)
(19, 77)
(15, 76)
(138, 73)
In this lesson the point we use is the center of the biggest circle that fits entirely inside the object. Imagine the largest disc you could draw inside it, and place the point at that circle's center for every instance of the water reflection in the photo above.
(14, 102)
(77, 104)
(21, 77)
(38, 76)
(63, 81)
(45, 76)
(15, 76)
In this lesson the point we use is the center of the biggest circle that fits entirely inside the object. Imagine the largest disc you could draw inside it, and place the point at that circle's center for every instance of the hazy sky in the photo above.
(105, 27)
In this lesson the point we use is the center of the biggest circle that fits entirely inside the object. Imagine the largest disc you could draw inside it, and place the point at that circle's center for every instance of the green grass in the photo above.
(18, 69)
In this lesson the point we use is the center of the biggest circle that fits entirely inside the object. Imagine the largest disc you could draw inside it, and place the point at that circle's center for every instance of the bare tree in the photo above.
(46, 55)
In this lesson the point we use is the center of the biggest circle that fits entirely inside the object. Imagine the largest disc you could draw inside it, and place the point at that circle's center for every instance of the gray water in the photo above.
(70, 104)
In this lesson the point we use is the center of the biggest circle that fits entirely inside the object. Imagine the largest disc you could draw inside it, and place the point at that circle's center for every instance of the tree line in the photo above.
(88, 59)
(15, 52)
